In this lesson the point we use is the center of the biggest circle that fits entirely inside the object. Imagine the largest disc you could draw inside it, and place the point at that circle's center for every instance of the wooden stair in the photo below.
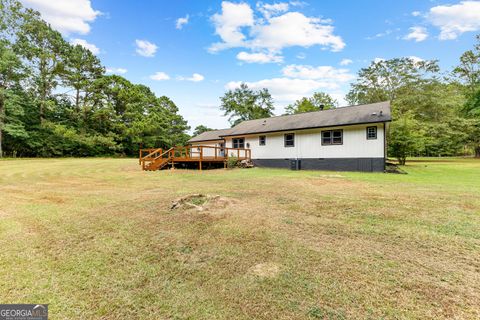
(157, 165)
(156, 160)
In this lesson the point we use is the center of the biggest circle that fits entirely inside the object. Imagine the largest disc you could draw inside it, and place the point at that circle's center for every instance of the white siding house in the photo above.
(349, 138)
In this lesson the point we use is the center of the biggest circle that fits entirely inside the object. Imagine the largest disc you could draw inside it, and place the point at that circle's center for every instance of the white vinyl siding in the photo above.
(308, 144)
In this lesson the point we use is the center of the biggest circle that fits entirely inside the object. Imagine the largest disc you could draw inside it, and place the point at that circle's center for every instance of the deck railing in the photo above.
(149, 153)
(194, 153)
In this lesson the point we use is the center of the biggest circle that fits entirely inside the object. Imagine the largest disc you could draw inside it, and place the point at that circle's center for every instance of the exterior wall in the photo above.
(357, 153)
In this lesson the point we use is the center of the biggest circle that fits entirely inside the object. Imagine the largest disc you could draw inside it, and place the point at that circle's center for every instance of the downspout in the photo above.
(384, 146)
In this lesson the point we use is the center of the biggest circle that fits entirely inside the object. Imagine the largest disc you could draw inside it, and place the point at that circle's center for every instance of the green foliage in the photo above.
(469, 73)
(95, 115)
(472, 105)
(232, 162)
(406, 138)
(319, 101)
(385, 80)
(245, 104)
(201, 129)
(446, 138)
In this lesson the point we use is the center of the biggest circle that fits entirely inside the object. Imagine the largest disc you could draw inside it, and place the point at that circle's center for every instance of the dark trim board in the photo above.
(331, 164)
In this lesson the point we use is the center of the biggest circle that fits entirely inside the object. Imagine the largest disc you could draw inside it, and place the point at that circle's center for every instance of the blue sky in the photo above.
(193, 51)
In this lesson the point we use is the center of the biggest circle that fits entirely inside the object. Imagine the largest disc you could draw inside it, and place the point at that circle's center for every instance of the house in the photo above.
(345, 139)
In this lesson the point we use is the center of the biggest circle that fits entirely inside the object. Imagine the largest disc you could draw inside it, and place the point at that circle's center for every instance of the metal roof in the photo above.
(343, 116)
(360, 114)
(210, 135)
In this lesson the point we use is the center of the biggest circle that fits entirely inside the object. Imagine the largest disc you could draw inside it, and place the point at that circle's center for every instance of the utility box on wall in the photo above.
(295, 164)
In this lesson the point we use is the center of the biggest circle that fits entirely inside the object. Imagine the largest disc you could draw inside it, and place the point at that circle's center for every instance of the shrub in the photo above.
(232, 162)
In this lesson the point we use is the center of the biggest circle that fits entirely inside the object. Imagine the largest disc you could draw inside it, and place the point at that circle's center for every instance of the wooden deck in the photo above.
(157, 159)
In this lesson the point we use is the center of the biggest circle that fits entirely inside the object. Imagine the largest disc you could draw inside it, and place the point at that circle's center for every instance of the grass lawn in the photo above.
(95, 238)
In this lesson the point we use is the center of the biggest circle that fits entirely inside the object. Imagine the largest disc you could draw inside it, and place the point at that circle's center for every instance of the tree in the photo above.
(319, 101)
(474, 135)
(384, 80)
(469, 73)
(80, 70)
(415, 93)
(10, 75)
(201, 129)
(44, 49)
(469, 69)
(406, 138)
(245, 104)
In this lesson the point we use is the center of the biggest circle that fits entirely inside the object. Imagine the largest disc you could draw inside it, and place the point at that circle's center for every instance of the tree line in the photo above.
(57, 100)
(434, 113)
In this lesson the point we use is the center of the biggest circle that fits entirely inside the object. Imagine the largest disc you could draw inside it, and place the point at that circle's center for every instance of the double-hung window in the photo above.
(332, 137)
(238, 143)
(289, 139)
(262, 140)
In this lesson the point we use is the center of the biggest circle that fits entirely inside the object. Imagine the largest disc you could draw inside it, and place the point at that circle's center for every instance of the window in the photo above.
(262, 140)
(289, 140)
(238, 143)
(332, 137)
(371, 133)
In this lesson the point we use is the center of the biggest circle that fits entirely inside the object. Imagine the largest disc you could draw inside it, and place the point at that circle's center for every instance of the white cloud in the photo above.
(346, 62)
(181, 22)
(159, 76)
(272, 33)
(146, 48)
(380, 34)
(228, 25)
(259, 57)
(273, 9)
(416, 59)
(416, 13)
(72, 16)
(325, 73)
(453, 20)
(295, 29)
(301, 55)
(93, 48)
(377, 60)
(196, 77)
(417, 33)
(117, 70)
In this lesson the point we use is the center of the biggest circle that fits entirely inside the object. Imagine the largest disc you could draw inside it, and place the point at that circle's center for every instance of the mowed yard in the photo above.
(95, 238)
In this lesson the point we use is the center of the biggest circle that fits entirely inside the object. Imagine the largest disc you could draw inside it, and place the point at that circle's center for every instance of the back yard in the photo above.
(96, 238)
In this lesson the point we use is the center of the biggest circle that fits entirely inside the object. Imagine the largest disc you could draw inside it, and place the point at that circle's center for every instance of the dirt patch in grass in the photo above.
(201, 202)
(266, 270)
